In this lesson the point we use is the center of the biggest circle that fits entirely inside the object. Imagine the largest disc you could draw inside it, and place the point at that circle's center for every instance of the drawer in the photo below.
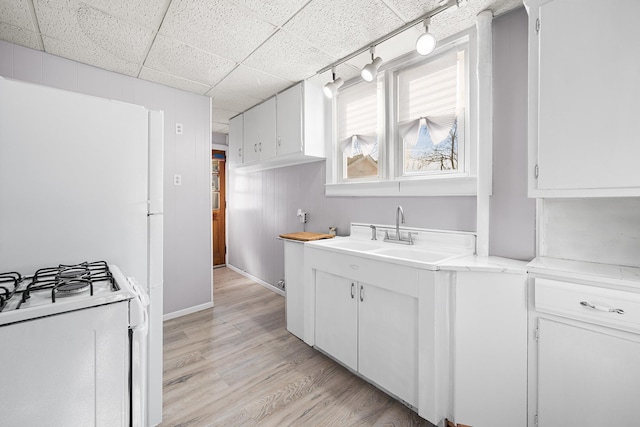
(607, 307)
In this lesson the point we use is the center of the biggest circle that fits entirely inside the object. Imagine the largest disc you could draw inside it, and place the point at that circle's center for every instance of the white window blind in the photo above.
(357, 111)
(431, 89)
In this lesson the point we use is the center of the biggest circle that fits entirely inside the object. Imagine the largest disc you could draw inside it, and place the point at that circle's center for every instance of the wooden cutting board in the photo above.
(306, 236)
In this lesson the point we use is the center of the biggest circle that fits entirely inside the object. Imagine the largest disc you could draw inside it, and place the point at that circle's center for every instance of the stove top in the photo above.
(54, 290)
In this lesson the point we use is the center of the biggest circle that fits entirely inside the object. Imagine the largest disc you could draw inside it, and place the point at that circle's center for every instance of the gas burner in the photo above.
(66, 272)
(71, 286)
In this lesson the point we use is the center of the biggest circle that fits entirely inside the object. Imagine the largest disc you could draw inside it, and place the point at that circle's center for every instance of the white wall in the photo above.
(187, 218)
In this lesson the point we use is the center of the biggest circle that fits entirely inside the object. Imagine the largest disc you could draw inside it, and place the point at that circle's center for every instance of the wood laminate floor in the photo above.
(236, 365)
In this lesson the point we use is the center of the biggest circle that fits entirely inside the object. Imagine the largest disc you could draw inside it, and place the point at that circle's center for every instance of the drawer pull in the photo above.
(354, 266)
(601, 308)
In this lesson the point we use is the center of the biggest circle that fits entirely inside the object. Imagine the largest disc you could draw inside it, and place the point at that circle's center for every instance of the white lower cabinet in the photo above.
(371, 330)
(587, 346)
(490, 356)
(587, 377)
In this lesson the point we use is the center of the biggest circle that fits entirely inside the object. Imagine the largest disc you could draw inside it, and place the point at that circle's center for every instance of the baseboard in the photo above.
(186, 311)
(255, 279)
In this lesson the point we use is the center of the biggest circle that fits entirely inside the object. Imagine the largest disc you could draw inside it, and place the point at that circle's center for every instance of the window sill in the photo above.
(441, 186)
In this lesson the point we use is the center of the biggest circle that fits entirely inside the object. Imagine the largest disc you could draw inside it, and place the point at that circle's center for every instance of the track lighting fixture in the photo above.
(426, 43)
(331, 89)
(369, 71)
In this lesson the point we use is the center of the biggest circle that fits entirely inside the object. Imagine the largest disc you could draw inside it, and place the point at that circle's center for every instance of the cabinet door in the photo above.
(587, 378)
(235, 140)
(337, 318)
(267, 137)
(252, 132)
(388, 341)
(289, 120)
(588, 95)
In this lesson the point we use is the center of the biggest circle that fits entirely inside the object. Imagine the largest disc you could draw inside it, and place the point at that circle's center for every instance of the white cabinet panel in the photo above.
(490, 342)
(289, 120)
(587, 378)
(585, 97)
(388, 341)
(235, 140)
(337, 318)
(294, 286)
(259, 130)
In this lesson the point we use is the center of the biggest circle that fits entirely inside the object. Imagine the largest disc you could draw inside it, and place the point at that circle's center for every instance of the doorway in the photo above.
(218, 206)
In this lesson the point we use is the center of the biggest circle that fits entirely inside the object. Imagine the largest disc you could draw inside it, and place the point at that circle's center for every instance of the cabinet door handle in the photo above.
(260, 146)
(601, 308)
(279, 141)
(361, 293)
(255, 148)
(239, 151)
(353, 290)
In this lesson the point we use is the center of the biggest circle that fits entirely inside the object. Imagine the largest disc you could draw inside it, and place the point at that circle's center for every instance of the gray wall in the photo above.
(512, 214)
(263, 205)
(187, 215)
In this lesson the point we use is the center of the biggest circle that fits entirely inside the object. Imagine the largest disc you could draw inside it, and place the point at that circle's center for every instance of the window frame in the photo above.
(390, 181)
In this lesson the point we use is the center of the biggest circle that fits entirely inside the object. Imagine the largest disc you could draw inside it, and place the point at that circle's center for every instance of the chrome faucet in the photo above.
(399, 212)
(398, 238)
(373, 232)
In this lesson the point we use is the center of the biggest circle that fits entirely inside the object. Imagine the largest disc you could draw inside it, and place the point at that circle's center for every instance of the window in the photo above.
(358, 137)
(430, 115)
(406, 134)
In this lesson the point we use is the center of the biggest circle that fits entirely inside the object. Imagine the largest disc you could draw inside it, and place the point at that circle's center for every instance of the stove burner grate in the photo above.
(69, 279)
(8, 279)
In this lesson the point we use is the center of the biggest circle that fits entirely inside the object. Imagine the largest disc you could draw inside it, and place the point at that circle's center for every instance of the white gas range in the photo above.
(80, 331)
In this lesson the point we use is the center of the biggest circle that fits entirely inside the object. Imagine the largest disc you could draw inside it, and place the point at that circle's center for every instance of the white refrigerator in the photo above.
(81, 180)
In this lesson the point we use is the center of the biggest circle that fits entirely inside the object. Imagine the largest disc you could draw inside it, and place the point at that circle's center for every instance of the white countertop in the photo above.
(588, 271)
(490, 264)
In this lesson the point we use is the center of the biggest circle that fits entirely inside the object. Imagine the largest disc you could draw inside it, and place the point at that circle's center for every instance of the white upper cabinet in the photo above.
(287, 129)
(235, 140)
(259, 132)
(301, 120)
(584, 95)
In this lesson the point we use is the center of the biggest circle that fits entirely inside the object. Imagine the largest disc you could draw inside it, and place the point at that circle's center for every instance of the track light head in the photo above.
(427, 42)
(369, 71)
(331, 89)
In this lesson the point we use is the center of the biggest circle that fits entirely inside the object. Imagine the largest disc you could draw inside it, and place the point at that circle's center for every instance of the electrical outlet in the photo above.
(178, 129)
(177, 179)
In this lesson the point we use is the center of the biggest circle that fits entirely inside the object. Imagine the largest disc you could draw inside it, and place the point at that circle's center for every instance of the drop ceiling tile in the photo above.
(339, 27)
(216, 26)
(221, 115)
(412, 9)
(234, 101)
(100, 59)
(174, 57)
(289, 57)
(276, 12)
(172, 81)
(16, 13)
(19, 36)
(220, 127)
(146, 13)
(253, 82)
(84, 26)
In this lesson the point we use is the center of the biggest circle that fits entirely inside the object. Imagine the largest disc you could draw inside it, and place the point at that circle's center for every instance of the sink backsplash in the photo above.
(444, 240)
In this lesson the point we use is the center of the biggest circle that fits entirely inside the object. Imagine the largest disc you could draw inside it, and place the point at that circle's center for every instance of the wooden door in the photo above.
(218, 206)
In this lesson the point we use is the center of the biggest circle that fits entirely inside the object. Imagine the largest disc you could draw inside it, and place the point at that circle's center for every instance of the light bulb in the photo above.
(426, 43)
